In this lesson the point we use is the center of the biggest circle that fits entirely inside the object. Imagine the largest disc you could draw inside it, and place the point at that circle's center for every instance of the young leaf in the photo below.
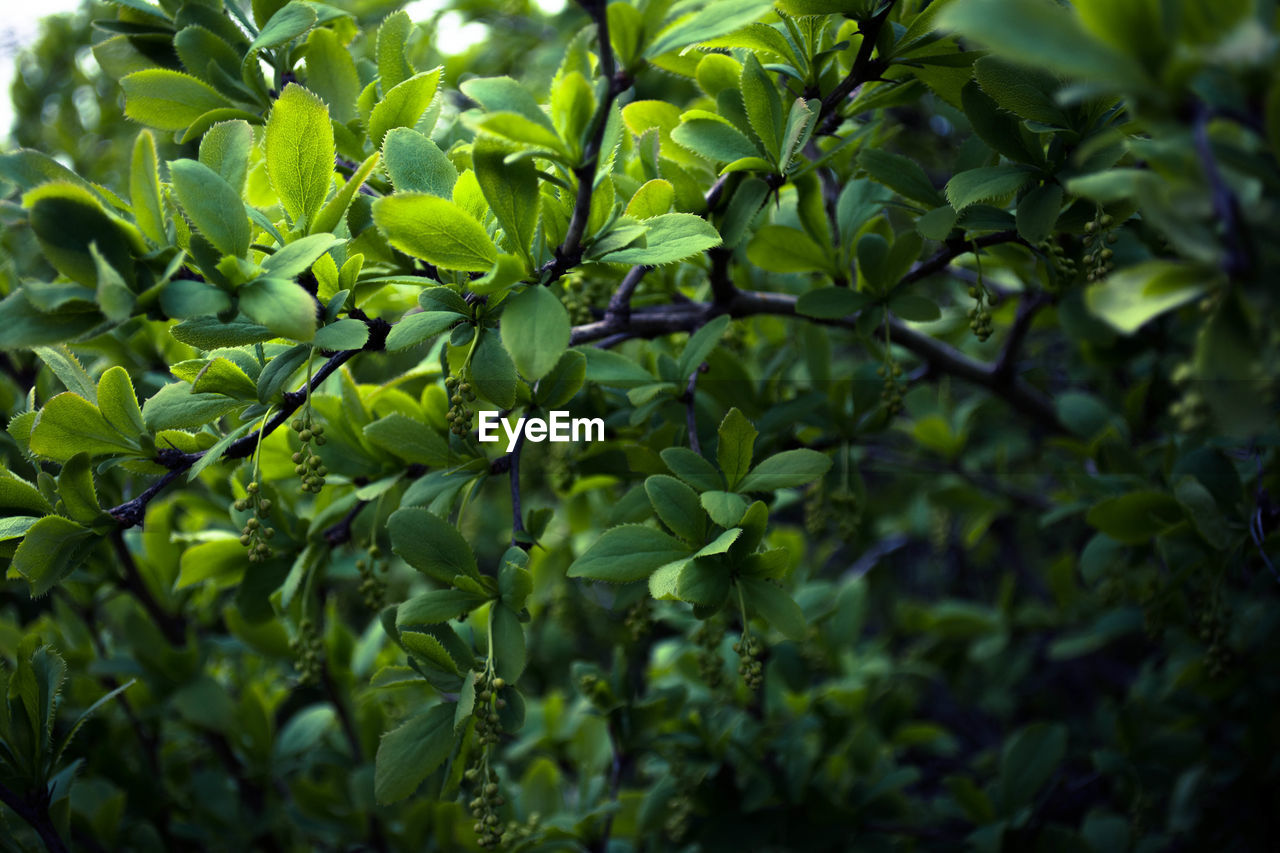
(508, 642)
(700, 345)
(764, 106)
(669, 238)
(280, 305)
(393, 37)
(416, 328)
(213, 206)
(416, 164)
(69, 424)
(403, 105)
(511, 190)
(144, 189)
(435, 230)
(299, 152)
(168, 100)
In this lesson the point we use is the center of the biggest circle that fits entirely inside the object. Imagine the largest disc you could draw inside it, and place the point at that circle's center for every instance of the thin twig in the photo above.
(691, 414)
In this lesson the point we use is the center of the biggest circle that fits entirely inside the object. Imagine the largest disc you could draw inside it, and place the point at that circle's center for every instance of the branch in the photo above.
(691, 418)
(131, 512)
(1239, 262)
(619, 310)
(658, 321)
(172, 626)
(863, 70)
(569, 254)
(517, 514)
(1028, 307)
(36, 813)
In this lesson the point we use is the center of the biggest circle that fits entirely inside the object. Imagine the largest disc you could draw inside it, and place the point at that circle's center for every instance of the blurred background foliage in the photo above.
(1017, 641)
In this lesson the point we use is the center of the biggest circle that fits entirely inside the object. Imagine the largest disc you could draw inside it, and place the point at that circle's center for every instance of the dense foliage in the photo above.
(933, 347)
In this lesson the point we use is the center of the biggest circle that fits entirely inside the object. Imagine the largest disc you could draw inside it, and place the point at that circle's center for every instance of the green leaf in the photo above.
(299, 152)
(225, 148)
(51, 550)
(785, 469)
(345, 334)
(436, 606)
(280, 305)
(175, 407)
(403, 105)
(737, 439)
(692, 468)
(76, 490)
(715, 19)
(493, 373)
(831, 303)
(212, 205)
(1131, 297)
(725, 508)
(511, 190)
(393, 38)
(535, 330)
(1022, 91)
(764, 106)
(715, 139)
(430, 649)
(1042, 35)
(70, 424)
(334, 209)
(515, 583)
(508, 642)
(168, 100)
(68, 220)
(222, 561)
(409, 439)
(629, 552)
(144, 189)
(416, 328)
(988, 183)
(1029, 758)
(409, 753)
(668, 238)
(562, 383)
(291, 21)
(704, 582)
(296, 258)
(1038, 212)
(223, 376)
(15, 526)
(1135, 518)
(916, 309)
(416, 164)
(332, 74)
(771, 603)
(435, 230)
(781, 248)
(654, 198)
(700, 345)
(431, 545)
(900, 174)
(677, 507)
(606, 367)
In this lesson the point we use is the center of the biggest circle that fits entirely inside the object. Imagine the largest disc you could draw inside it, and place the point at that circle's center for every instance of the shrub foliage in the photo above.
(930, 342)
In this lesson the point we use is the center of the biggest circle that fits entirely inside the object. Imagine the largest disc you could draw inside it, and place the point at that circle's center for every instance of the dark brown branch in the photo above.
(569, 254)
(517, 514)
(691, 415)
(619, 310)
(171, 625)
(1239, 261)
(34, 809)
(863, 69)
(131, 512)
(1028, 307)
